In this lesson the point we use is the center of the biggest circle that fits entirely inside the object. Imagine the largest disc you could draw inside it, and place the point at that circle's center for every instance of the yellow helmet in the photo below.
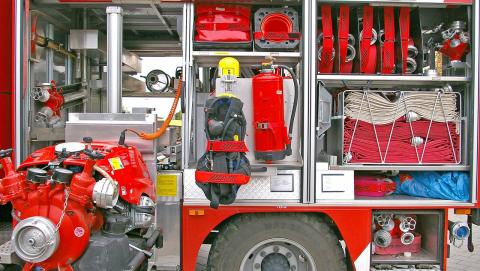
(228, 65)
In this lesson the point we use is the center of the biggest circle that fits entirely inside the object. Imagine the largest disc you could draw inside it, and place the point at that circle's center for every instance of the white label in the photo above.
(333, 183)
(281, 183)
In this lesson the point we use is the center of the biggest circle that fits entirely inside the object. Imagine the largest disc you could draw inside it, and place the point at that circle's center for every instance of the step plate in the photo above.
(7, 255)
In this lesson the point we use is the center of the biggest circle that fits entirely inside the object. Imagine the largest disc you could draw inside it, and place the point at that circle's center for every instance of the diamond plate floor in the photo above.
(5, 231)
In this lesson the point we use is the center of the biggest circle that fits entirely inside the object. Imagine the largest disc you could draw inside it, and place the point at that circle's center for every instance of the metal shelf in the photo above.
(402, 167)
(211, 58)
(149, 94)
(375, 81)
(402, 2)
(422, 257)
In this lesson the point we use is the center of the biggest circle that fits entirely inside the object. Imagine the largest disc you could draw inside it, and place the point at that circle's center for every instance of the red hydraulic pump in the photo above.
(272, 140)
(69, 196)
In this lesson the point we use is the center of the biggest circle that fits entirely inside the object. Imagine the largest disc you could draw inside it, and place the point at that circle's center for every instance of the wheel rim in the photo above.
(278, 254)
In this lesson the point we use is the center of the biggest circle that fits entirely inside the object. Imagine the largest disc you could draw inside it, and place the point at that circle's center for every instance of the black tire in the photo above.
(238, 236)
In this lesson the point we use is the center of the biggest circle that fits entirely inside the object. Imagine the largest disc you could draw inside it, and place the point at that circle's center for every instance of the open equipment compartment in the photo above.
(270, 180)
(439, 72)
(391, 243)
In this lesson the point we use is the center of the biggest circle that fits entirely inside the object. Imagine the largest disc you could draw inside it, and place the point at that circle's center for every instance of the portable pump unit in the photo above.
(272, 140)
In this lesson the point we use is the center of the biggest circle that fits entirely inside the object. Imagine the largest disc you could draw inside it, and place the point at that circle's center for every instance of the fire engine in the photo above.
(314, 135)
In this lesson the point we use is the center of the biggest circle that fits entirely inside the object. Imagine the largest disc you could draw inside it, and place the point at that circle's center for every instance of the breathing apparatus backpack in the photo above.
(224, 167)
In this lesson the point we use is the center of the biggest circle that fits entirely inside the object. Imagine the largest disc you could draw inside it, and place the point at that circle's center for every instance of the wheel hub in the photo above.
(275, 262)
(278, 254)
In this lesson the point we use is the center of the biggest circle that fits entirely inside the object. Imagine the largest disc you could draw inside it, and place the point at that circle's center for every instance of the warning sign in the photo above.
(115, 163)
(166, 185)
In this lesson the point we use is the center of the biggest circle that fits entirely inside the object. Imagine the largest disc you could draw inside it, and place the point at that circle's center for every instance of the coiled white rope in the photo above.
(367, 106)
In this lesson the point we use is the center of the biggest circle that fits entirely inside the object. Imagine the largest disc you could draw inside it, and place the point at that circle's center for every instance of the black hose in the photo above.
(140, 257)
(295, 99)
(70, 88)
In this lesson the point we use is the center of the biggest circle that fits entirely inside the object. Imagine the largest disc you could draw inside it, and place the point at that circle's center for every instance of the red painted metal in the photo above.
(55, 101)
(29, 199)
(198, 221)
(455, 53)
(133, 178)
(222, 23)
(124, 164)
(6, 74)
(268, 113)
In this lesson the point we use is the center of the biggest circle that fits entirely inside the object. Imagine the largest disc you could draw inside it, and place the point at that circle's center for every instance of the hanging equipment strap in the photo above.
(404, 23)
(366, 52)
(343, 31)
(388, 50)
(326, 62)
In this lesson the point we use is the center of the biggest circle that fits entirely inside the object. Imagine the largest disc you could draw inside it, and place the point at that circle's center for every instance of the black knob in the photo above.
(87, 139)
(62, 175)
(37, 175)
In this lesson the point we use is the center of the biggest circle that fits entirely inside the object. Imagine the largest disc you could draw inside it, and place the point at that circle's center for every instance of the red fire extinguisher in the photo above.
(272, 140)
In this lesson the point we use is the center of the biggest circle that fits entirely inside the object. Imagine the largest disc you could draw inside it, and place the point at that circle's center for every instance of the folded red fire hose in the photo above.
(360, 142)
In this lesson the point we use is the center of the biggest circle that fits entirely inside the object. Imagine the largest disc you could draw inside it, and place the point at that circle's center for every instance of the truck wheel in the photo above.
(276, 242)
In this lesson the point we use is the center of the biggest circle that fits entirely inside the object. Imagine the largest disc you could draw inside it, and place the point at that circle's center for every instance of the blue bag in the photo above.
(439, 185)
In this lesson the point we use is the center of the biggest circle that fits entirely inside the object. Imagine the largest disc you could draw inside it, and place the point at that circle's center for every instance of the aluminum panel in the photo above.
(257, 189)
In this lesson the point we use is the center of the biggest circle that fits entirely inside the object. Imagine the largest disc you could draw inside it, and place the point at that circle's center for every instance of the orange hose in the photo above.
(160, 131)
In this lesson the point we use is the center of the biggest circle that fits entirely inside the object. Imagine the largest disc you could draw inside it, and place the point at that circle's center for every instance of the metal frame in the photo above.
(400, 103)
(308, 80)
(19, 84)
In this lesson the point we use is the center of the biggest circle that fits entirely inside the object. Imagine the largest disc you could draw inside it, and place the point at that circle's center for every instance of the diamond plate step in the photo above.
(7, 255)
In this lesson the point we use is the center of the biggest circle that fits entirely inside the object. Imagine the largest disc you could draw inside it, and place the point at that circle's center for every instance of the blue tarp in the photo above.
(439, 185)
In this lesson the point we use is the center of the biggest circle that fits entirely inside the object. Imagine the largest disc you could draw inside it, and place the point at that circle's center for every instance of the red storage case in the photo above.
(223, 26)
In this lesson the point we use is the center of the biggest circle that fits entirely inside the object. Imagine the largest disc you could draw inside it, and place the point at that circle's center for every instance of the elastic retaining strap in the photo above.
(221, 178)
(326, 63)
(367, 53)
(388, 49)
(404, 23)
(343, 31)
(226, 146)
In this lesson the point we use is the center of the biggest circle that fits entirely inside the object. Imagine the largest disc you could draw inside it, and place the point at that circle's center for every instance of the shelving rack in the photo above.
(306, 61)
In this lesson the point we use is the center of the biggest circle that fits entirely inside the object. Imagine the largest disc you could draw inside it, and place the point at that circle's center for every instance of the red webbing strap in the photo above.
(326, 64)
(382, 187)
(365, 47)
(242, 26)
(404, 24)
(226, 146)
(277, 36)
(343, 31)
(388, 50)
(221, 178)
